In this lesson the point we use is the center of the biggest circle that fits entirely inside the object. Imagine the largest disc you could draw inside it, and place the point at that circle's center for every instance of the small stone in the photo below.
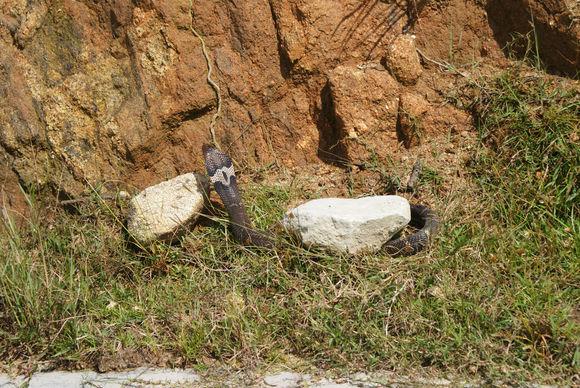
(360, 376)
(166, 210)
(123, 195)
(284, 380)
(349, 225)
(402, 60)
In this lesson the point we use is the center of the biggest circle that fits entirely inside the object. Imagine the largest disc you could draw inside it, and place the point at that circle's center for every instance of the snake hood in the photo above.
(220, 169)
(222, 175)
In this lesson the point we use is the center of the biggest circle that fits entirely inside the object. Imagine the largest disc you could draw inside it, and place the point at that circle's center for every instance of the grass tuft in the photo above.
(496, 295)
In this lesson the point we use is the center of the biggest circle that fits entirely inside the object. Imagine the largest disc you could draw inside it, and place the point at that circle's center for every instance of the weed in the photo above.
(497, 294)
(529, 176)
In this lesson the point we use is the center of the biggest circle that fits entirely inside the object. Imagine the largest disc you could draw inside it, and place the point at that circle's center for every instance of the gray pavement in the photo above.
(161, 378)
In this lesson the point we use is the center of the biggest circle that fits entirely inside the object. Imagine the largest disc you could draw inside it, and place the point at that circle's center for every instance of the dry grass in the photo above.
(497, 294)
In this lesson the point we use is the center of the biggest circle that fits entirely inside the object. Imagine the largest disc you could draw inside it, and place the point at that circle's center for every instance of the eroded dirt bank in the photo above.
(115, 93)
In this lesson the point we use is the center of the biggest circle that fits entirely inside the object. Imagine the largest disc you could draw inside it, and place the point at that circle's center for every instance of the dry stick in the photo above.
(84, 199)
(101, 197)
(393, 300)
(210, 81)
(444, 65)
(414, 176)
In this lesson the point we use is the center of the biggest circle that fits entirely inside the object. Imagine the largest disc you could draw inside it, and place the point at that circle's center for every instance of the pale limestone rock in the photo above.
(285, 380)
(166, 210)
(140, 377)
(349, 225)
(331, 384)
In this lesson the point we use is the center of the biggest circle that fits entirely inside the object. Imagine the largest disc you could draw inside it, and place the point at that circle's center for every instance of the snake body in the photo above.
(220, 169)
(423, 219)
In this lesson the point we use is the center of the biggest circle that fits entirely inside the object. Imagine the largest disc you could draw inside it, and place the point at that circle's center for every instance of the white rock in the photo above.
(59, 379)
(166, 210)
(284, 380)
(325, 383)
(349, 225)
(141, 377)
(145, 377)
(360, 376)
(7, 382)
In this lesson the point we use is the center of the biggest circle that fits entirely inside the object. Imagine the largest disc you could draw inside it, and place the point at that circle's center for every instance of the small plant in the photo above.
(529, 175)
(430, 176)
(496, 295)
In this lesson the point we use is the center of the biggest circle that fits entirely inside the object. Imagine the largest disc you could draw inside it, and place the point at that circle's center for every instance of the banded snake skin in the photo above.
(220, 170)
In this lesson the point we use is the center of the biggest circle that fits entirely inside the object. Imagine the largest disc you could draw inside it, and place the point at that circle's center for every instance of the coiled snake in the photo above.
(220, 169)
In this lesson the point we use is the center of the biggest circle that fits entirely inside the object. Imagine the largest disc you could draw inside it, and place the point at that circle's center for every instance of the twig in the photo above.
(120, 195)
(393, 300)
(414, 176)
(444, 65)
(210, 81)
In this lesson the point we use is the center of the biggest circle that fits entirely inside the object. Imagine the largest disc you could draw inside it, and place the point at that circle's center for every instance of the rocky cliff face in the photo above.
(104, 92)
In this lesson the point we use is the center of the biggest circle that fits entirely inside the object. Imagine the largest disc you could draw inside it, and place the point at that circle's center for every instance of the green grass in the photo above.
(496, 295)
(529, 175)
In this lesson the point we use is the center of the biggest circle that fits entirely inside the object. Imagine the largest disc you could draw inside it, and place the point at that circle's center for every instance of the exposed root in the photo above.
(210, 81)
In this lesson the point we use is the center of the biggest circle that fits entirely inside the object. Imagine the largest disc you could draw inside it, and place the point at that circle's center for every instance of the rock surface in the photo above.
(116, 91)
(166, 210)
(12, 202)
(141, 377)
(412, 110)
(419, 120)
(402, 60)
(164, 377)
(364, 110)
(349, 225)
(285, 380)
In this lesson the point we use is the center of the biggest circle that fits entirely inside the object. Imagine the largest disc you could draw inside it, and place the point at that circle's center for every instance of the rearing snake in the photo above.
(220, 169)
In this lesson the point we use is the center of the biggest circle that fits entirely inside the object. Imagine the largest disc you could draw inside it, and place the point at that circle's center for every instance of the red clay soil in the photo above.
(114, 93)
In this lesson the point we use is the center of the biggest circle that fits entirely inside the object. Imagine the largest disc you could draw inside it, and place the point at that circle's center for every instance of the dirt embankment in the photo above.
(99, 93)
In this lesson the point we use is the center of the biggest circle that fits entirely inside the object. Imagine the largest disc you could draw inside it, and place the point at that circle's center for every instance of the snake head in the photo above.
(207, 151)
(219, 166)
(214, 157)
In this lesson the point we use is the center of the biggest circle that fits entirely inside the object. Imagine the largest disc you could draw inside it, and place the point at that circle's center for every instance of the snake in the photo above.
(220, 169)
